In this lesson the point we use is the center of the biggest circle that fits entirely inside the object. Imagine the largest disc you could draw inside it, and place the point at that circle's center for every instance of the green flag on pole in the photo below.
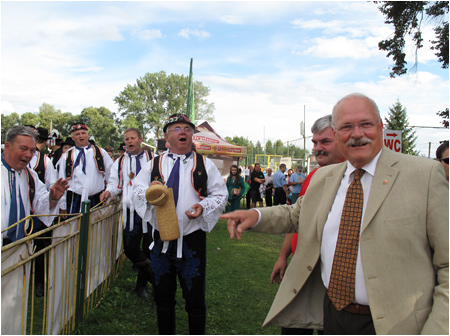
(190, 99)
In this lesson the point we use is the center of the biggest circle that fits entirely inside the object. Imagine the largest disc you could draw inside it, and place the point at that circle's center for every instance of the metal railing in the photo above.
(83, 256)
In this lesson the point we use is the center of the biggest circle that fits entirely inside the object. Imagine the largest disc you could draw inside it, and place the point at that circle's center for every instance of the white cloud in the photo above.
(337, 47)
(104, 33)
(149, 34)
(264, 107)
(355, 29)
(187, 33)
(231, 19)
(7, 107)
(77, 57)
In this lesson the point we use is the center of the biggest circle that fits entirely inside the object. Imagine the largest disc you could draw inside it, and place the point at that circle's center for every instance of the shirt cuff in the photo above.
(259, 217)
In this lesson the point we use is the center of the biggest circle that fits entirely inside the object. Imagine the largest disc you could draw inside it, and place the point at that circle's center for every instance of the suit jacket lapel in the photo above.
(383, 181)
(330, 189)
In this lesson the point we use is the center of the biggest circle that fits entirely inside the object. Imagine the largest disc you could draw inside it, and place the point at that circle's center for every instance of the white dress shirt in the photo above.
(331, 228)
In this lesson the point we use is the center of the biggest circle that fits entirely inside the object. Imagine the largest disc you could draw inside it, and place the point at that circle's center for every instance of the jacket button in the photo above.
(309, 268)
(295, 291)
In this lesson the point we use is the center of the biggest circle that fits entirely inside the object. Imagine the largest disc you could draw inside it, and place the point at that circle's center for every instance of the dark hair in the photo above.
(441, 149)
(237, 170)
(230, 179)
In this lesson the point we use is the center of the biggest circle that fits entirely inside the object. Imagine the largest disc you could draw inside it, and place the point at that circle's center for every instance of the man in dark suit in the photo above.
(398, 282)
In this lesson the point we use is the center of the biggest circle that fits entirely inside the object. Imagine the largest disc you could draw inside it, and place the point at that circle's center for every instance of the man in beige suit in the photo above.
(401, 274)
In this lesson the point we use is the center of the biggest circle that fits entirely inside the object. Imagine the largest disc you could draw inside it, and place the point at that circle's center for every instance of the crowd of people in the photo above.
(263, 188)
(369, 246)
(78, 170)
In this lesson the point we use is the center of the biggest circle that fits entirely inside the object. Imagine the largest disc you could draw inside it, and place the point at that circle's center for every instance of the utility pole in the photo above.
(304, 137)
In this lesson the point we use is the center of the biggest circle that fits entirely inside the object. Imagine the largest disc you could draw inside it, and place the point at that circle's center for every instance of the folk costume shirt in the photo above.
(213, 205)
(89, 182)
(50, 171)
(41, 201)
(123, 183)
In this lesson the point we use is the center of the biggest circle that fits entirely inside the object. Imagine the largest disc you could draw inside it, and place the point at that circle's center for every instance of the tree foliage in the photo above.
(407, 17)
(9, 121)
(397, 120)
(269, 148)
(101, 122)
(444, 115)
(238, 141)
(47, 116)
(102, 126)
(155, 96)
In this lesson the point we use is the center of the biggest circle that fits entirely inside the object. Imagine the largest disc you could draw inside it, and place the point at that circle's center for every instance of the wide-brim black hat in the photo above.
(43, 133)
(68, 141)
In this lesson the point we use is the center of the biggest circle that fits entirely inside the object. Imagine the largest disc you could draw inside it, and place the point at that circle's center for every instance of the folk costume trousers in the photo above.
(136, 247)
(190, 269)
(74, 201)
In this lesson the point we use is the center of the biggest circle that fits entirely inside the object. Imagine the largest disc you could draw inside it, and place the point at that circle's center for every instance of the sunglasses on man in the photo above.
(444, 160)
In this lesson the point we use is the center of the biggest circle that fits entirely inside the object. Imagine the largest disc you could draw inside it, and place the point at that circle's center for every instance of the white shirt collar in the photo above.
(369, 168)
(176, 156)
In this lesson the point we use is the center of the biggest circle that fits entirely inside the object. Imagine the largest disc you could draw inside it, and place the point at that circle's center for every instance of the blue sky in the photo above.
(263, 61)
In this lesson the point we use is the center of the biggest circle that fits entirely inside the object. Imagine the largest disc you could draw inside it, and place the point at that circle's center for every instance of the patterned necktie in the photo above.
(174, 178)
(341, 288)
(81, 157)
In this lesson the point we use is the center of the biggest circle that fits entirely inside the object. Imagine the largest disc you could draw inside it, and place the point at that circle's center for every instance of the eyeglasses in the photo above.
(363, 125)
(444, 160)
(179, 129)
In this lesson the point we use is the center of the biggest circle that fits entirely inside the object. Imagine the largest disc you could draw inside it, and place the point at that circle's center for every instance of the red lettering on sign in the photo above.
(388, 143)
(203, 138)
(394, 145)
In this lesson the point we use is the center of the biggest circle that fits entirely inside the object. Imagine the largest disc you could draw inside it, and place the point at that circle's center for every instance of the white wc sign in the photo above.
(393, 140)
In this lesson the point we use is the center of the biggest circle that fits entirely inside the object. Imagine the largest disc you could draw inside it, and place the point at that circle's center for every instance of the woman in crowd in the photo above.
(236, 188)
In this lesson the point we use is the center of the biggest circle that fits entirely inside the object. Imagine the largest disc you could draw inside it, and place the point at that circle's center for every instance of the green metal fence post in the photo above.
(82, 256)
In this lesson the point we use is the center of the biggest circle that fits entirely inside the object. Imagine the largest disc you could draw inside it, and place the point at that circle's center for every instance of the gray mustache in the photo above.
(358, 142)
(324, 153)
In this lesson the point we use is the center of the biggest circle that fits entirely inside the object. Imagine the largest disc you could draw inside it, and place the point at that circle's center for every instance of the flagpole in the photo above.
(190, 112)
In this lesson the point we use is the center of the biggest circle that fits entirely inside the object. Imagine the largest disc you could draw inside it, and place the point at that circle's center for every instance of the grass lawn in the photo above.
(238, 291)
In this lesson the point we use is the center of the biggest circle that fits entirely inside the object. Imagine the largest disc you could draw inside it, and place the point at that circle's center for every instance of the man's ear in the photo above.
(7, 146)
